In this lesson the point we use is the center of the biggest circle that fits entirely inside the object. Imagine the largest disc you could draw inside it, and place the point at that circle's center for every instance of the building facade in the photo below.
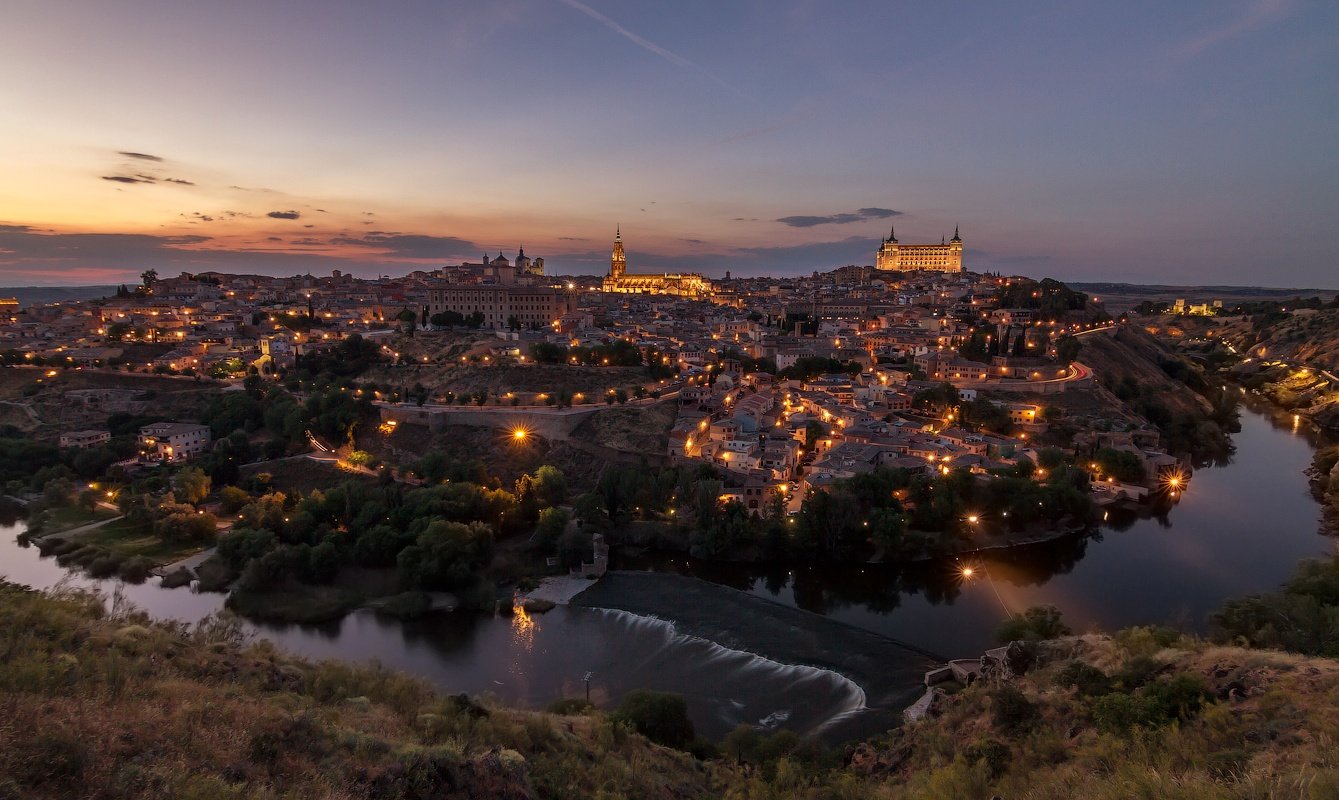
(173, 441)
(897, 257)
(619, 281)
(503, 306)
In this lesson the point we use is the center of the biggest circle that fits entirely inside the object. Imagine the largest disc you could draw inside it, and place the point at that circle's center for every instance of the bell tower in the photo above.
(955, 252)
(618, 263)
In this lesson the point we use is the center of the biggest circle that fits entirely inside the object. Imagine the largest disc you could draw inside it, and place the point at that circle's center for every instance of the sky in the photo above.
(1194, 142)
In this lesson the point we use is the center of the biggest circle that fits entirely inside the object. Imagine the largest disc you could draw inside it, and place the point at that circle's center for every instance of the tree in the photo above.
(550, 485)
(661, 717)
(447, 555)
(1067, 349)
(149, 277)
(447, 319)
(187, 527)
(1035, 624)
(1122, 465)
(191, 485)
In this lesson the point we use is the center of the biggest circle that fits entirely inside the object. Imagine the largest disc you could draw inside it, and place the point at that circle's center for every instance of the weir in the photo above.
(798, 645)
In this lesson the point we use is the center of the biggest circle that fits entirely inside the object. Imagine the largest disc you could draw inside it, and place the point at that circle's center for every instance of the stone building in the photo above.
(943, 257)
(619, 281)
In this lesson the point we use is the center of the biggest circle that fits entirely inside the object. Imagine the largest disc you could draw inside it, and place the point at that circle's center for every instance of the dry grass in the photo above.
(131, 709)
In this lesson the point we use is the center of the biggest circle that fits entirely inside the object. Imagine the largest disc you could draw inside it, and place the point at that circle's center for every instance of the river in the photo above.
(1241, 527)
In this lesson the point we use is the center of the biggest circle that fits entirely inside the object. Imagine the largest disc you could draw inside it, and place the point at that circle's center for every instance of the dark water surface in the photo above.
(1240, 528)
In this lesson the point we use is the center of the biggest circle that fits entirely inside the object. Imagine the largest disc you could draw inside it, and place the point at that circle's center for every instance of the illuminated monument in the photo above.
(688, 284)
(943, 257)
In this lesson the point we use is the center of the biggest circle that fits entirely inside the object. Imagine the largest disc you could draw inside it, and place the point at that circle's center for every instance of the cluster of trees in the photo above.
(29, 465)
(1303, 617)
(437, 537)
(619, 353)
(353, 356)
(812, 367)
(454, 319)
(902, 513)
(1049, 297)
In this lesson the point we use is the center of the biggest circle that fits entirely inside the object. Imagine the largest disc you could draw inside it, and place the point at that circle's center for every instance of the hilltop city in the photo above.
(782, 385)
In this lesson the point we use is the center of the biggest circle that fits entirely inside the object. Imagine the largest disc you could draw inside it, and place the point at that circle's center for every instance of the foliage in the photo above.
(191, 485)
(1303, 617)
(661, 717)
(1012, 712)
(1035, 624)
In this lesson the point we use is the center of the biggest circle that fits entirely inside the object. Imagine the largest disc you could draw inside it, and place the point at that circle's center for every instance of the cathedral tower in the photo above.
(618, 264)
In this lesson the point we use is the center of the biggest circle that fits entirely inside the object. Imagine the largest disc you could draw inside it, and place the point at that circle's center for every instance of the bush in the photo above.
(569, 706)
(1159, 703)
(51, 759)
(1012, 712)
(1035, 624)
(1088, 680)
(135, 569)
(661, 717)
(994, 754)
(408, 605)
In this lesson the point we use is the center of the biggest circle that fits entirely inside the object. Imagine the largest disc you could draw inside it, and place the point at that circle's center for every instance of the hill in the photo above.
(129, 708)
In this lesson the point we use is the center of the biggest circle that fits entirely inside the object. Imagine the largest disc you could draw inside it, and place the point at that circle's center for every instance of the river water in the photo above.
(1241, 527)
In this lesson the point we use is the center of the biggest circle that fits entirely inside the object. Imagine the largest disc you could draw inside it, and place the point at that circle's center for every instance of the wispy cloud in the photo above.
(140, 156)
(646, 44)
(1257, 14)
(283, 215)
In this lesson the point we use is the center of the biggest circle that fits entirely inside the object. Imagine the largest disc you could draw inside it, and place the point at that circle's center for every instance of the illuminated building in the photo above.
(943, 257)
(619, 281)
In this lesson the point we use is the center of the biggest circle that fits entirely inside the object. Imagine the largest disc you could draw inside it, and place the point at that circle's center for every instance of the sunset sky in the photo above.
(1187, 142)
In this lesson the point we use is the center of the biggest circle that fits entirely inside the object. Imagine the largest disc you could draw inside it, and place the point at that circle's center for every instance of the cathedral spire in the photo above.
(892, 233)
(956, 237)
(618, 233)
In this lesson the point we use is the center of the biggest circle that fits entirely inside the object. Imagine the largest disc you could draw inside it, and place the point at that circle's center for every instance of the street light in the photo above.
(967, 572)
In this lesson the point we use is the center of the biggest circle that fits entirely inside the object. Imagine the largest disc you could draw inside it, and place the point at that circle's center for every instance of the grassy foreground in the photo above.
(111, 705)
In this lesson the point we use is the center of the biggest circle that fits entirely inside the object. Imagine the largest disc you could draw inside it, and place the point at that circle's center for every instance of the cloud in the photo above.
(860, 215)
(403, 245)
(178, 181)
(127, 178)
(29, 256)
(283, 215)
(1258, 14)
(140, 156)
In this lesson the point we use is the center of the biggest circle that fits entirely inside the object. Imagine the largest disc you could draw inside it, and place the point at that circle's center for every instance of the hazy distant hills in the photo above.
(1123, 296)
(33, 295)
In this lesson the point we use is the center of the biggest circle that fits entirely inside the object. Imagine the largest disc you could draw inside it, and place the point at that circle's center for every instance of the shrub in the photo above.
(661, 717)
(51, 759)
(105, 566)
(569, 706)
(993, 753)
(1117, 713)
(1012, 712)
(1088, 680)
(1035, 624)
(135, 569)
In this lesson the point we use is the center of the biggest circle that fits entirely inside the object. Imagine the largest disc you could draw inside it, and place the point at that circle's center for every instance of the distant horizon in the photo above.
(1091, 141)
(1166, 286)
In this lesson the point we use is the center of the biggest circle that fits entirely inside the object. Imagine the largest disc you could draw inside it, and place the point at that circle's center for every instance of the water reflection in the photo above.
(1237, 528)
